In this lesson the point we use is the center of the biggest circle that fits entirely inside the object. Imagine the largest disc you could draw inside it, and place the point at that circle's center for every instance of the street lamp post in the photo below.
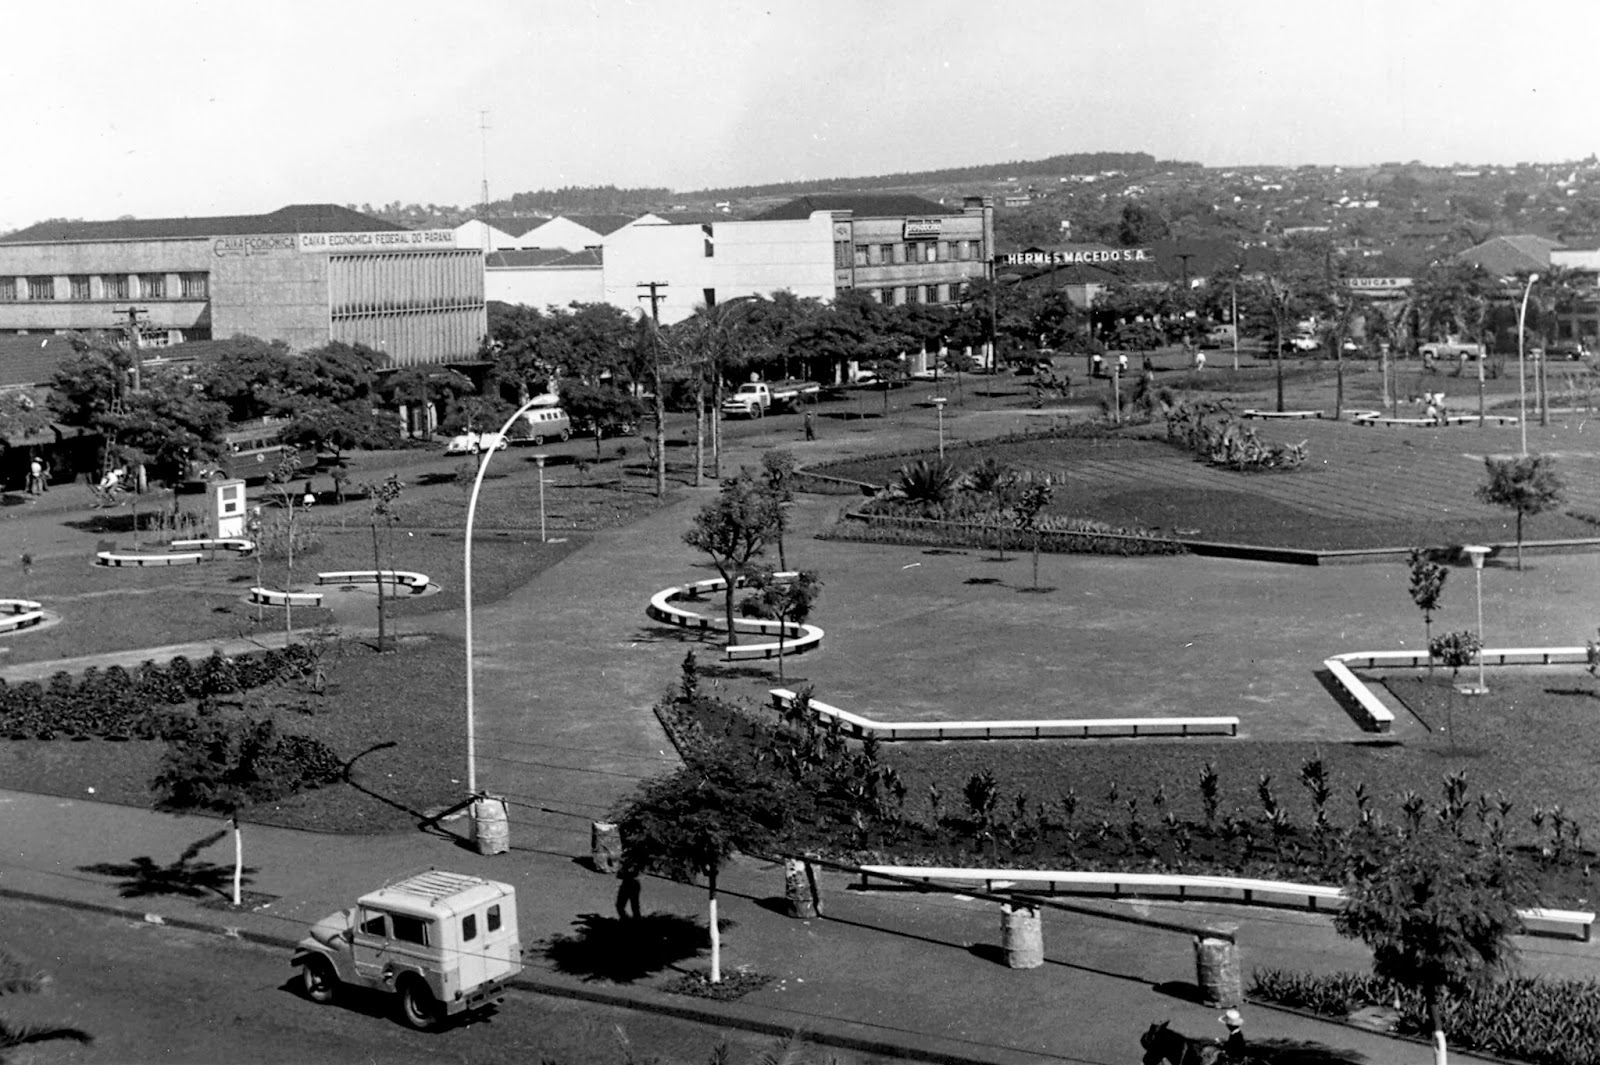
(466, 587)
(540, 459)
(1522, 379)
(939, 402)
(1478, 554)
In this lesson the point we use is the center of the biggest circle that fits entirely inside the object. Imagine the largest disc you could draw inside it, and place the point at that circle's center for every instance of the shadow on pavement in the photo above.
(621, 950)
(142, 877)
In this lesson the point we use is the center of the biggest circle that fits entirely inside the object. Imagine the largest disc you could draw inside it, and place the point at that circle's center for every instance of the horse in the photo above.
(1161, 1043)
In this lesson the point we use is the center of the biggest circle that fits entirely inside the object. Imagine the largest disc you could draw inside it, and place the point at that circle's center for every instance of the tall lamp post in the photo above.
(1522, 379)
(466, 586)
(939, 402)
(1478, 554)
(540, 459)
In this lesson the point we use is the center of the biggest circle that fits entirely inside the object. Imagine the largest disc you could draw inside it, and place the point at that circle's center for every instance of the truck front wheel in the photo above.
(418, 1008)
(756, 412)
(318, 981)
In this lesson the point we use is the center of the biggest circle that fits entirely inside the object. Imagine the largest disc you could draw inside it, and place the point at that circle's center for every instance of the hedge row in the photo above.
(1071, 536)
(116, 704)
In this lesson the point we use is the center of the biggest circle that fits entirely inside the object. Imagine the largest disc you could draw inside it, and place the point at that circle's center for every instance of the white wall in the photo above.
(1575, 258)
(558, 233)
(543, 287)
(470, 234)
(749, 258)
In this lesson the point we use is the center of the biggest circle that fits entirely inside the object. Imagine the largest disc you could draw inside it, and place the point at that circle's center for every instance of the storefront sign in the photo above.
(1377, 284)
(262, 245)
(923, 228)
(1076, 258)
(392, 240)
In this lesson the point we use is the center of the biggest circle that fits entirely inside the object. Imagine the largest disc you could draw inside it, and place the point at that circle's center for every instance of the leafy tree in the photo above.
(1427, 587)
(777, 471)
(1527, 485)
(785, 599)
(734, 529)
(692, 821)
(22, 415)
(1456, 650)
(1437, 909)
(1141, 225)
(1034, 498)
(601, 409)
(382, 497)
(252, 377)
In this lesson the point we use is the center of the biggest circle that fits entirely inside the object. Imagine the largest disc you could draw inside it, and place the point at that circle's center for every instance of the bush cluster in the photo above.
(1227, 441)
(1537, 1019)
(116, 704)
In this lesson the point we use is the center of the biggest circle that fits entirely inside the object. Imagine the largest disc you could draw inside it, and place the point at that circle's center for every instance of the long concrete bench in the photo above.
(1082, 728)
(1574, 924)
(115, 558)
(1275, 415)
(797, 638)
(237, 544)
(1379, 718)
(413, 582)
(274, 597)
(20, 614)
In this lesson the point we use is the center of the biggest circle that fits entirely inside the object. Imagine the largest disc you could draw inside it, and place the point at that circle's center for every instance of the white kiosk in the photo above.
(227, 509)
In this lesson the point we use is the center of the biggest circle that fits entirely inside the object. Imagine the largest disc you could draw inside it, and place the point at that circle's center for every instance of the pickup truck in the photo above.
(755, 398)
(1436, 350)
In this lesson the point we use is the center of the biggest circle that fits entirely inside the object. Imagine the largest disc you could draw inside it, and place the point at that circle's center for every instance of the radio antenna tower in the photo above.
(483, 216)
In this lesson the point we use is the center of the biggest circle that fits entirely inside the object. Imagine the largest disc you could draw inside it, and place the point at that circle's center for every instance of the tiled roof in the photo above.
(861, 204)
(31, 359)
(553, 258)
(1504, 256)
(296, 218)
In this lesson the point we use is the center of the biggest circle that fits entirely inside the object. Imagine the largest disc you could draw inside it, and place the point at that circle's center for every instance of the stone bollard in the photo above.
(605, 846)
(1021, 935)
(1216, 968)
(799, 889)
(491, 828)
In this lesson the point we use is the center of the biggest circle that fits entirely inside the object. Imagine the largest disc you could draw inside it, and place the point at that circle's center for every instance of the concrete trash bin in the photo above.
(1216, 968)
(1021, 935)
(605, 846)
(491, 829)
(799, 889)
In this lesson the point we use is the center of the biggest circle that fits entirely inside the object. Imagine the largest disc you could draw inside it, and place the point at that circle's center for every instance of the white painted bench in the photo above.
(1083, 728)
(1575, 924)
(797, 638)
(274, 597)
(20, 614)
(237, 544)
(114, 558)
(413, 582)
(1280, 414)
(1380, 719)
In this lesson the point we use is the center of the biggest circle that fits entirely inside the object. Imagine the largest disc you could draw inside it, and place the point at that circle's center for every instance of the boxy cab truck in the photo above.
(755, 398)
(442, 943)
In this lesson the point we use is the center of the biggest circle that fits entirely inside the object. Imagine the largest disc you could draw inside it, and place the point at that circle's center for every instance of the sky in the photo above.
(173, 107)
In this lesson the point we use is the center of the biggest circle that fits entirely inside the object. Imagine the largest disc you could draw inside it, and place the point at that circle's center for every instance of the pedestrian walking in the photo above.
(811, 426)
(1122, 364)
(628, 891)
(309, 497)
(1199, 359)
(44, 475)
(35, 476)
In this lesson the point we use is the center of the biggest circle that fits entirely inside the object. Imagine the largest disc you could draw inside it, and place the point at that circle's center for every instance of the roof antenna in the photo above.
(483, 217)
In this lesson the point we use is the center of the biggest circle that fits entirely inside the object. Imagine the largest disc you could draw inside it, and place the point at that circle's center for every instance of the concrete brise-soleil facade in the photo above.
(305, 275)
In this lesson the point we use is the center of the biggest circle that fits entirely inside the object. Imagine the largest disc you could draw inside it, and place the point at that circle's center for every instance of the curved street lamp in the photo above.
(1522, 379)
(472, 511)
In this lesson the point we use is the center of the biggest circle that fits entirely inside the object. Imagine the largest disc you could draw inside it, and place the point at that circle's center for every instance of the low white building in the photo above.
(543, 279)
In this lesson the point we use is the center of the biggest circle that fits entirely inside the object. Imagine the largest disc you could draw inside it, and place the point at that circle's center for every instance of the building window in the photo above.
(888, 297)
(195, 286)
(79, 286)
(913, 293)
(152, 286)
(914, 253)
(933, 251)
(115, 286)
(41, 288)
(8, 290)
(709, 296)
(963, 249)
(842, 255)
(863, 254)
(885, 254)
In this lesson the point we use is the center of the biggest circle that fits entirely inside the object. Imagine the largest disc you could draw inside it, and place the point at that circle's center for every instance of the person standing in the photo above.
(628, 891)
(811, 426)
(1233, 1046)
(35, 476)
(44, 474)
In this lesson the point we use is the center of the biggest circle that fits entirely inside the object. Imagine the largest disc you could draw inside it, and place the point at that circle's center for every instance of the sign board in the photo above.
(1377, 284)
(391, 240)
(265, 244)
(1076, 258)
(923, 228)
(227, 508)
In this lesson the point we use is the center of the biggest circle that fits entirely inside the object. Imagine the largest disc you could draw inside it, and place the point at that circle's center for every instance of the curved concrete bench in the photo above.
(1280, 414)
(115, 558)
(1379, 418)
(414, 583)
(237, 544)
(274, 597)
(797, 638)
(1083, 728)
(1378, 718)
(20, 614)
(1574, 924)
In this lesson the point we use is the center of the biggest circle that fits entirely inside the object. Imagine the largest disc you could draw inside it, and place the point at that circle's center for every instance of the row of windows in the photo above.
(191, 286)
(917, 251)
(903, 294)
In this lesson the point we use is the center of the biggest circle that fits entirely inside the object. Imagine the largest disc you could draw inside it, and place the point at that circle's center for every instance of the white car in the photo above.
(474, 443)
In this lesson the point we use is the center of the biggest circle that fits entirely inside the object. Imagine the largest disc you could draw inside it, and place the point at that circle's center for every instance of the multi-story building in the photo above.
(304, 274)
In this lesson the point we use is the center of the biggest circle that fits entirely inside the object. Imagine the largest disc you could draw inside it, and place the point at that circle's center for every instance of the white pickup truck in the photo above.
(755, 398)
(1449, 349)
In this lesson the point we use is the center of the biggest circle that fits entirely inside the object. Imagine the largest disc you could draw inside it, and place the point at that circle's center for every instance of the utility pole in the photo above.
(135, 377)
(655, 297)
(483, 140)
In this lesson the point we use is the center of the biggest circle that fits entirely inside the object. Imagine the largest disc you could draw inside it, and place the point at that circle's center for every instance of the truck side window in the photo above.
(373, 925)
(469, 927)
(410, 929)
(494, 918)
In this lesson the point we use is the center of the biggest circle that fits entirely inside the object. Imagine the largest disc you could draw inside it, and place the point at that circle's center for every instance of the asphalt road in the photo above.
(157, 994)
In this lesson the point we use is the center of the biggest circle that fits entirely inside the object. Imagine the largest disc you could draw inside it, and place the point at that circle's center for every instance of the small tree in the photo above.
(787, 600)
(1427, 587)
(692, 821)
(1527, 485)
(734, 529)
(382, 496)
(778, 467)
(1438, 911)
(280, 479)
(1030, 505)
(1454, 649)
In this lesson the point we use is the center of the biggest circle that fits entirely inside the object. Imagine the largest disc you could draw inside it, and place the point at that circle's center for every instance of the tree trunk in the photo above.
(780, 647)
(716, 427)
(1441, 1055)
(1278, 359)
(727, 579)
(1338, 388)
(700, 435)
(377, 568)
(716, 933)
(1519, 541)
(288, 578)
(661, 433)
(238, 860)
(1036, 558)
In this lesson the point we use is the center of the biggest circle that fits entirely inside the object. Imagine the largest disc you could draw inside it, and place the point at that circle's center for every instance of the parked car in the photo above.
(442, 943)
(1568, 349)
(474, 443)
